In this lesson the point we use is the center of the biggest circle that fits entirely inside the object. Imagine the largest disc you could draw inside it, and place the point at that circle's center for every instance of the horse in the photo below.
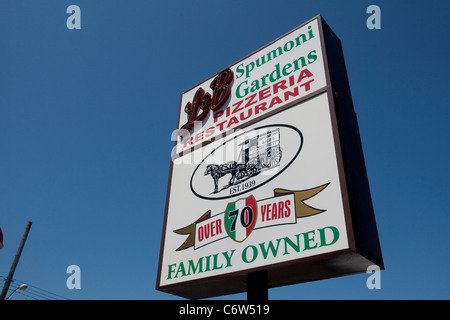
(217, 171)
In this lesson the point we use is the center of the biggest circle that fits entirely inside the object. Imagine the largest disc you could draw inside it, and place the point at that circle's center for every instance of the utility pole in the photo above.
(257, 286)
(16, 260)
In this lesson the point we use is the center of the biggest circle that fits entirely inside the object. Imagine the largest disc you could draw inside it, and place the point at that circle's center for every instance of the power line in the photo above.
(42, 292)
(30, 297)
(32, 292)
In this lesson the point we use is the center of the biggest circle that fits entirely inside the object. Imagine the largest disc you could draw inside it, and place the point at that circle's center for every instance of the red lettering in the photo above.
(274, 211)
(293, 93)
(268, 213)
(228, 110)
(275, 101)
(260, 107)
(288, 208)
(199, 136)
(250, 100)
(219, 226)
(220, 125)
(281, 209)
(200, 234)
(307, 85)
(209, 132)
(188, 141)
(221, 89)
(237, 105)
(249, 114)
(209, 230)
(201, 101)
(213, 225)
(233, 120)
(291, 81)
(205, 102)
(265, 93)
(279, 85)
(304, 74)
(217, 115)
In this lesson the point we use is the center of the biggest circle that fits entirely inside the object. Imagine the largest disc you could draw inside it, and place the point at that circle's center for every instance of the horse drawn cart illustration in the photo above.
(257, 154)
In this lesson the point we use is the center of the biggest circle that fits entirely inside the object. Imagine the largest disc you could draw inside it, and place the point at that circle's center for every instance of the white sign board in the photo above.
(286, 219)
(257, 179)
(287, 70)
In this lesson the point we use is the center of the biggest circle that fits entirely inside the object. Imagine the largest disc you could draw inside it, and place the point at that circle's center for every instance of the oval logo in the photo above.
(246, 161)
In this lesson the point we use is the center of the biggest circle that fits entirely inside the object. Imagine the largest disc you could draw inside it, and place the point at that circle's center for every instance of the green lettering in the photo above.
(198, 266)
(263, 80)
(238, 90)
(294, 246)
(274, 53)
(255, 86)
(248, 68)
(270, 246)
(312, 56)
(244, 254)
(228, 257)
(208, 258)
(296, 66)
(309, 239)
(171, 270)
(181, 269)
(285, 69)
(239, 71)
(310, 33)
(297, 40)
(323, 240)
(215, 266)
(275, 75)
(288, 46)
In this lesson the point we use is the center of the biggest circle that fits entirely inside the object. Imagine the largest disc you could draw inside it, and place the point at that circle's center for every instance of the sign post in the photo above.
(15, 262)
(257, 286)
(267, 183)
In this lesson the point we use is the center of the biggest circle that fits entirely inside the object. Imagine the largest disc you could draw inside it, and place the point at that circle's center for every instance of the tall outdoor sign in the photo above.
(268, 173)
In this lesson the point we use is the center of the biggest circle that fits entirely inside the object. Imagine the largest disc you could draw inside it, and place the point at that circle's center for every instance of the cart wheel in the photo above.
(275, 159)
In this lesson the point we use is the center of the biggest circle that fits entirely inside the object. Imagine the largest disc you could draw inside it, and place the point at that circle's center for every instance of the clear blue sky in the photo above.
(86, 118)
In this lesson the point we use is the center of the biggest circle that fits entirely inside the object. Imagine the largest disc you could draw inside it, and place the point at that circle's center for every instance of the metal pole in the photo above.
(257, 286)
(16, 260)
